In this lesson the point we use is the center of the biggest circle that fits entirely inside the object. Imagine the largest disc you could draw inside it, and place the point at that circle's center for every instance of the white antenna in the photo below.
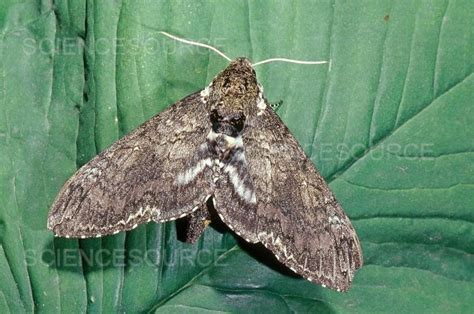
(288, 61)
(195, 43)
(190, 42)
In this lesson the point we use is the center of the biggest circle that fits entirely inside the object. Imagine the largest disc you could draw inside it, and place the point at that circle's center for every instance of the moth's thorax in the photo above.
(235, 90)
(223, 145)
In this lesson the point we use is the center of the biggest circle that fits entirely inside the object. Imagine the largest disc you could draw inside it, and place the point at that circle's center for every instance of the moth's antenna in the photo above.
(288, 61)
(195, 43)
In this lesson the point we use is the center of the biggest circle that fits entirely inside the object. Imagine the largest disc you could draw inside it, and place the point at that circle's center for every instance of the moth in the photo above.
(223, 150)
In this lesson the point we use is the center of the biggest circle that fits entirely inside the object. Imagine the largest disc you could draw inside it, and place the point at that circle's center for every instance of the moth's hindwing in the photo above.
(142, 177)
(297, 216)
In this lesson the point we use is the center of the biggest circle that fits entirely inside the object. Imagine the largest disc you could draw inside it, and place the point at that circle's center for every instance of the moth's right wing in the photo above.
(297, 216)
(159, 172)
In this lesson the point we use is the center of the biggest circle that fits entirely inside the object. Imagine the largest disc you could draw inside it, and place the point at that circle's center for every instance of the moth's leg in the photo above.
(196, 223)
(275, 106)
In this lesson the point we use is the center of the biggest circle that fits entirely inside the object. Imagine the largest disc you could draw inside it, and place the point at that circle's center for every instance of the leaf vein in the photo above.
(352, 161)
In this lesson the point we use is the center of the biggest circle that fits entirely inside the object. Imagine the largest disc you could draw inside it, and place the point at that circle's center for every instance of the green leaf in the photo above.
(389, 122)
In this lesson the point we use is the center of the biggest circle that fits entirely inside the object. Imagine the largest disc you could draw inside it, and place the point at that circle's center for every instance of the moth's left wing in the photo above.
(297, 217)
(159, 172)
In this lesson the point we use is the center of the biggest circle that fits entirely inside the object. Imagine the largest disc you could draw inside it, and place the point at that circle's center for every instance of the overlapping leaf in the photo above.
(389, 122)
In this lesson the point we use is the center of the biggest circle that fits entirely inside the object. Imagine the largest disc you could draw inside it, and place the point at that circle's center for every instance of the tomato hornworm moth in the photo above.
(222, 150)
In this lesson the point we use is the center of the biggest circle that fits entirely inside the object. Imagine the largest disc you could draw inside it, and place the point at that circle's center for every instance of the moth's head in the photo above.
(233, 97)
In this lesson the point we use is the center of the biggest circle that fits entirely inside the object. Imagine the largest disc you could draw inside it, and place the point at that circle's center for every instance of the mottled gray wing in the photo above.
(156, 172)
(235, 198)
(297, 217)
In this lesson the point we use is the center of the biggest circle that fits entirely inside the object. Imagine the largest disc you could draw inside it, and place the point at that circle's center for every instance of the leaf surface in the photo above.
(389, 123)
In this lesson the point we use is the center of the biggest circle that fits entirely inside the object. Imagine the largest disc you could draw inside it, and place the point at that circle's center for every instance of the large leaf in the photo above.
(389, 123)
